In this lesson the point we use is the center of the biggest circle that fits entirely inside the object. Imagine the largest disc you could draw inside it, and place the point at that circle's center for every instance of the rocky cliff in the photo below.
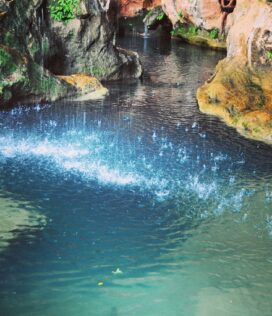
(36, 46)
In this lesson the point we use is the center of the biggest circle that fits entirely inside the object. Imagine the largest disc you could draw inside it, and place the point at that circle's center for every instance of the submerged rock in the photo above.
(17, 217)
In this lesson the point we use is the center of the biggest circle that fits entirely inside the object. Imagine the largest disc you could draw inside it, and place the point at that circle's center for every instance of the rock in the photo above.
(85, 45)
(156, 17)
(202, 13)
(50, 48)
(240, 91)
(132, 8)
(88, 87)
(17, 217)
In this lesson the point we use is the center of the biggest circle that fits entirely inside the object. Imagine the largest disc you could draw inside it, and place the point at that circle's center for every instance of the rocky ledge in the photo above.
(240, 92)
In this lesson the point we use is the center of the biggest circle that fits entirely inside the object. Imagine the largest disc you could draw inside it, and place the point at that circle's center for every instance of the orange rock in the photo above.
(87, 86)
(129, 8)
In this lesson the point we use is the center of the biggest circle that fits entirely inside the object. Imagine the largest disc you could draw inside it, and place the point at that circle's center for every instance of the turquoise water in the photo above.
(137, 204)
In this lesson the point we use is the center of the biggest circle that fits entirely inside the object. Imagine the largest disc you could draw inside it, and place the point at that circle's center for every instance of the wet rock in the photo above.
(129, 8)
(88, 87)
(50, 48)
(17, 217)
(241, 97)
(242, 82)
(156, 17)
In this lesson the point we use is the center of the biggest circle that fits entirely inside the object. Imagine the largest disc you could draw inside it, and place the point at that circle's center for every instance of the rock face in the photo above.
(240, 92)
(34, 48)
(202, 13)
(128, 8)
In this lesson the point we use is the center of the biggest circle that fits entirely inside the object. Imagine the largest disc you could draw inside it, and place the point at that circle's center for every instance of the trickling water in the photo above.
(135, 205)
(145, 31)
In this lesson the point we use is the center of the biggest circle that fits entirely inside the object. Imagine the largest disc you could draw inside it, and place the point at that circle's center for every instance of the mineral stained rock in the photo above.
(240, 91)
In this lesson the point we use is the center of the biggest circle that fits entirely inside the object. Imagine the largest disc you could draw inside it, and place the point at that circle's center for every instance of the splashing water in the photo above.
(140, 183)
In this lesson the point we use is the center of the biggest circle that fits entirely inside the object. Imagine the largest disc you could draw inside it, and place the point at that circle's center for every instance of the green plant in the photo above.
(180, 14)
(63, 10)
(193, 29)
(160, 16)
(269, 54)
(214, 33)
(7, 64)
(245, 126)
(150, 12)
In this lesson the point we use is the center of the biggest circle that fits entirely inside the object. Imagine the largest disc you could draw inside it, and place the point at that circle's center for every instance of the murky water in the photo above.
(135, 205)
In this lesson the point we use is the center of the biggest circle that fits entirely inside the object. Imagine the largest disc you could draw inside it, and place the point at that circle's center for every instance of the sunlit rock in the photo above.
(131, 8)
(89, 87)
(240, 92)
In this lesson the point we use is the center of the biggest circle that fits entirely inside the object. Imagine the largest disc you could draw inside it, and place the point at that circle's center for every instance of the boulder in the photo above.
(240, 91)
(49, 46)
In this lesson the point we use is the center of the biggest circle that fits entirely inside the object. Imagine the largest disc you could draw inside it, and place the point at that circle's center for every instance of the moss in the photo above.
(214, 33)
(96, 71)
(63, 10)
(7, 63)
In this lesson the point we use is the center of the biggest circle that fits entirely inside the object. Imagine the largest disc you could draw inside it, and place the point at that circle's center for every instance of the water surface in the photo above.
(143, 182)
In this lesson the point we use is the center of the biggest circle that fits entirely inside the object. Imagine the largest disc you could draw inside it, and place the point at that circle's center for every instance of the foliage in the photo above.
(180, 14)
(214, 33)
(63, 10)
(193, 29)
(150, 12)
(160, 16)
(179, 30)
(269, 54)
(7, 64)
(95, 71)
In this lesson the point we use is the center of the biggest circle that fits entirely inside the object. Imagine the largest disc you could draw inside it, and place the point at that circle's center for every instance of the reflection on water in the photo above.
(140, 182)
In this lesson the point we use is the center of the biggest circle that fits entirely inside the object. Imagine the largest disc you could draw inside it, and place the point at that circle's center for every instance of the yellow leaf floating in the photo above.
(100, 283)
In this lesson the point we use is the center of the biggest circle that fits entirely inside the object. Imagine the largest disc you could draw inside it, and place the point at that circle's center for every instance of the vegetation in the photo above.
(150, 12)
(193, 30)
(269, 54)
(185, 30)
(7, 65)
(63, 10)
(160, 16)
(180, 14)
(214, 33)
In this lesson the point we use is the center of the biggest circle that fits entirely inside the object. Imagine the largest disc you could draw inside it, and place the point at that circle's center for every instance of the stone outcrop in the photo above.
(128, 8)
(240, 92)
(89, 87)
(35, 48)
(202, 13)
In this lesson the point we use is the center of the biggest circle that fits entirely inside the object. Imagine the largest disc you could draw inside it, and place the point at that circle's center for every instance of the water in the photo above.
(141, 182)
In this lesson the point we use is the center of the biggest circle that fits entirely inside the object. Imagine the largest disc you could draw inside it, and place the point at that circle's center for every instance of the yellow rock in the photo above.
(241, 97)
(88, 87)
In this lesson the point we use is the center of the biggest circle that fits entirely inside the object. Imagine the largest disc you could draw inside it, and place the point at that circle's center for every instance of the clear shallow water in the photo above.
(143, 182)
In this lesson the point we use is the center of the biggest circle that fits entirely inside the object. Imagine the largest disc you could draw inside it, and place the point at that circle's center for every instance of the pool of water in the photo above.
(137, 204)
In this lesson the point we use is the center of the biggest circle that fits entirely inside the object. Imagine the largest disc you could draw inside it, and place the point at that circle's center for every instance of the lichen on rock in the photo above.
(240, 91)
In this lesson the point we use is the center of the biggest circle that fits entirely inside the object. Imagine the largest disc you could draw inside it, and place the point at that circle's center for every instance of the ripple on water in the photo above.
(174, 199)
